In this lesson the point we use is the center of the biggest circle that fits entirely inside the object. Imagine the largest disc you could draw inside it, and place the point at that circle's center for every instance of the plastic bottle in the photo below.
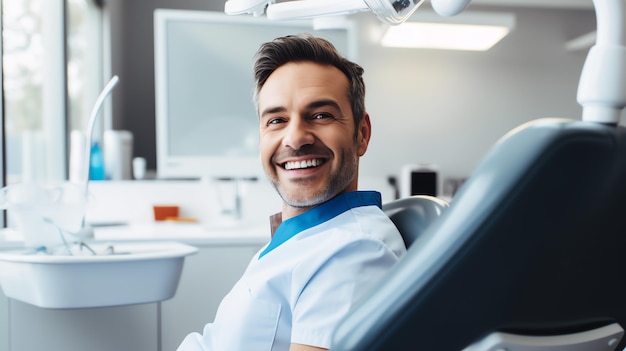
(96, 163)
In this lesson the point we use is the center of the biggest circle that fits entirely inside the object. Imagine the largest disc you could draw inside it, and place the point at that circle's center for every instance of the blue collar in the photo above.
(320, 214)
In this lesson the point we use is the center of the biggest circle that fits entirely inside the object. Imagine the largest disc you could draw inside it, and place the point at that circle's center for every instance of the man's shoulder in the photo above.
(367, 223)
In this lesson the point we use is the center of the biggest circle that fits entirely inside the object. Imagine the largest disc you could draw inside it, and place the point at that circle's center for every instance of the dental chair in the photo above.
(414, 214)
(531, 253)
(532, 250)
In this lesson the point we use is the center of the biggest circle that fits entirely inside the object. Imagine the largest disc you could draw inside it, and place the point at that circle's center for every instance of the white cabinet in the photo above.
(207, 277)
(129, 328)
(4, 322)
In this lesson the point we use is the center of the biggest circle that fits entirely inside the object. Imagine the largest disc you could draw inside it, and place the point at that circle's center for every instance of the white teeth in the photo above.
(302, 164)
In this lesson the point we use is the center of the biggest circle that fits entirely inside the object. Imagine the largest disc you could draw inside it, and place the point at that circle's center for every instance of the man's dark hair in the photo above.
(306, 47)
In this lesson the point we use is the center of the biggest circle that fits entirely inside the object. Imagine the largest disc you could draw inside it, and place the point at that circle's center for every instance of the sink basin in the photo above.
(133, 273)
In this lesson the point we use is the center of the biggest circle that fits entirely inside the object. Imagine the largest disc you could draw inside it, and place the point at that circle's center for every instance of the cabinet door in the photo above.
(126, 328)
(4, 322)
(207, 277)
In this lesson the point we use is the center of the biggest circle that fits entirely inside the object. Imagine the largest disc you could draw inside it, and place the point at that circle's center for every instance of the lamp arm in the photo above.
(449, 7)
(602, 85)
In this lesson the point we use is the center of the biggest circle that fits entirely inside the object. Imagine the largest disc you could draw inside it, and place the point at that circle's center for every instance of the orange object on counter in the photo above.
(163, 212)
(182, 219)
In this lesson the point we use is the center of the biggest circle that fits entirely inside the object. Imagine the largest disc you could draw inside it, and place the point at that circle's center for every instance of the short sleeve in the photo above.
(345, 277)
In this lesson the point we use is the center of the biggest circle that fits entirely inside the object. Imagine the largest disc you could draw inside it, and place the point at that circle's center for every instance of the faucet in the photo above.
(236, 210)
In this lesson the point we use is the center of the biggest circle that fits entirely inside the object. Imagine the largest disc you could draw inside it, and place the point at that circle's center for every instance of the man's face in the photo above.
(307, 134)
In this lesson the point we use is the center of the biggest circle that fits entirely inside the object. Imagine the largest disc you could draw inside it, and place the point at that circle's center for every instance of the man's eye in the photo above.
(275, 121)
(321, 116)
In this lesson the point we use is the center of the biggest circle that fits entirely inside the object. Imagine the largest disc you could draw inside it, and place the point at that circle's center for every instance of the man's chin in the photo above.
(304, 201)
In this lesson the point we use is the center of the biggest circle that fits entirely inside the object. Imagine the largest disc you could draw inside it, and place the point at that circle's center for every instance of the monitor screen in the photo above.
(424, 183)
(419, 179)
(206, 122)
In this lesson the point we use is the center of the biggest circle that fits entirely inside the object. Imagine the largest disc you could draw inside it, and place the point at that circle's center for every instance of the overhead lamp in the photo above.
(389, 11)
(475, 31)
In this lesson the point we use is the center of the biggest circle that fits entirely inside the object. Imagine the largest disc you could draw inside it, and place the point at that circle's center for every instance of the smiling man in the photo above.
(310, 143)
(330, 243)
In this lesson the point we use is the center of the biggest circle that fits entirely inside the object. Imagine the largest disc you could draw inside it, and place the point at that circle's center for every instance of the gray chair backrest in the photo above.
(413, 215)
(533, 243)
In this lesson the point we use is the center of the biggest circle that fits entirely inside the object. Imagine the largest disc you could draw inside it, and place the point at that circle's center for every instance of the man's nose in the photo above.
(298, 134)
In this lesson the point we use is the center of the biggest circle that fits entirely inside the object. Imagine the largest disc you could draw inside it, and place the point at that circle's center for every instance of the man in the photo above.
(331, 243)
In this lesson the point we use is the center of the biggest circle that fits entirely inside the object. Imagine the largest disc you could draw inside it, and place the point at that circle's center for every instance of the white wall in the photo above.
(450, 107)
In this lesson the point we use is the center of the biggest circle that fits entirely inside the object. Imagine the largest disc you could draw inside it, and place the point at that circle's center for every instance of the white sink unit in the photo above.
(134, 273)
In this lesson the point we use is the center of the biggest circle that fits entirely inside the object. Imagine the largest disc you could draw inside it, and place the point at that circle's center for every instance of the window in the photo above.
(49, 80)
(85, 60)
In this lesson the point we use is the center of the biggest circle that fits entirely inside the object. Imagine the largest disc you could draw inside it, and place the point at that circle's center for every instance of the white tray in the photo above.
(138, 273)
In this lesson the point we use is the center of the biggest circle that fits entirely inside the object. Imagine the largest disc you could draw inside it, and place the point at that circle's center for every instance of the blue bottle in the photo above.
(96, 163)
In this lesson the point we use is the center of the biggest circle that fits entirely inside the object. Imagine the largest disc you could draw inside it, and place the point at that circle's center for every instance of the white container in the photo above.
(137, 273)
(118, 154)
(45, 214)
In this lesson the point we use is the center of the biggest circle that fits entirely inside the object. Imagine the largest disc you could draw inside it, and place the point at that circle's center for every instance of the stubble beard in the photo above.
(337, 183)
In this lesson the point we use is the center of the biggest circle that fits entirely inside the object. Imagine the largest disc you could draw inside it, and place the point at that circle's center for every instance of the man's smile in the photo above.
(310, 163)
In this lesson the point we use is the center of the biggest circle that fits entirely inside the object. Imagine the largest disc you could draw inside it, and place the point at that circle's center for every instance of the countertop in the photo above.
(188, 233)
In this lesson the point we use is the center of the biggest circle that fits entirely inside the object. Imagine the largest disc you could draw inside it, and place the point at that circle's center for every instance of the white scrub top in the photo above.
(298, 287)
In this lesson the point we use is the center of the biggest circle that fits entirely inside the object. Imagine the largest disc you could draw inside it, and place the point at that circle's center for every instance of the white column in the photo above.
(54, 90)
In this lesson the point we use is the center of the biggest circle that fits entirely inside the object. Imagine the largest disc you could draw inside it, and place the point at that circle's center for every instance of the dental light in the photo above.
(389, 11)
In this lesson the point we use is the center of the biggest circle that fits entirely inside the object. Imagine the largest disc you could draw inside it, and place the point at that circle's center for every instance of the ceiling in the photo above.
(566, 4)
(583, 42)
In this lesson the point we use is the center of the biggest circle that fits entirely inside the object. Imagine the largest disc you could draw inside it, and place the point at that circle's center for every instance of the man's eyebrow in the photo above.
(310, 106)
(271, 110)
(324, 103)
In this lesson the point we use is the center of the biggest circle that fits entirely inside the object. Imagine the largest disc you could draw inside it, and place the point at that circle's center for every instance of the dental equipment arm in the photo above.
(449, 7)
(242, 7)
(390, 11)
(602, 86)
(311, 9)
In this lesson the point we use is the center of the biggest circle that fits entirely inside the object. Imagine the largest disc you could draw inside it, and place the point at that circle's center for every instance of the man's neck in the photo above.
(289, 211)
(275, 220)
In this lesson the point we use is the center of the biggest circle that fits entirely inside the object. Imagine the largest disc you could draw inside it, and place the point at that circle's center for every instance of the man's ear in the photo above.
(364, 134)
